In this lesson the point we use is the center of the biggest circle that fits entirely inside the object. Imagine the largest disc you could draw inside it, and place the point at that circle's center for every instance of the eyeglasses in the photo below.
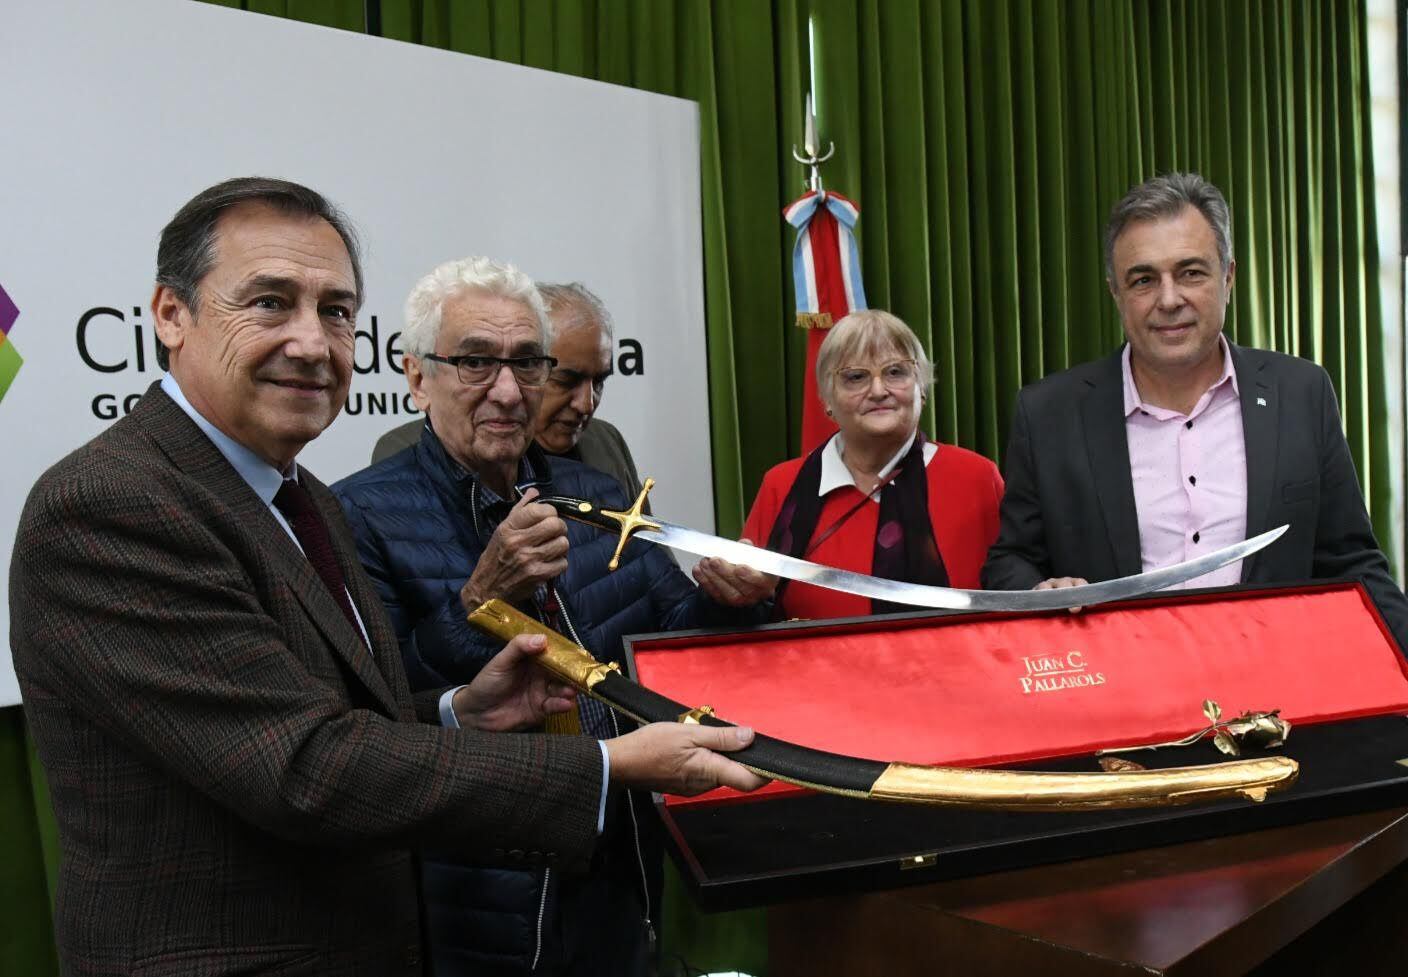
(895, 375)
(476, 370)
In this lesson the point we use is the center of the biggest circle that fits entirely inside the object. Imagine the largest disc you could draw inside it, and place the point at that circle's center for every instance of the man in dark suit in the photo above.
(236, 762)
(1182, 441)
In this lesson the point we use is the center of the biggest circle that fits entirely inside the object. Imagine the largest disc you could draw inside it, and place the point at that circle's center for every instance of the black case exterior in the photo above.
(750, 852)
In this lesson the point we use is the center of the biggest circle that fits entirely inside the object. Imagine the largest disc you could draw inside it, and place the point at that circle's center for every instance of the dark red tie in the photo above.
(308, 527)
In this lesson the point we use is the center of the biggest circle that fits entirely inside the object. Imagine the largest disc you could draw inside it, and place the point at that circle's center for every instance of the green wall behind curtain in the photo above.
(985, 141)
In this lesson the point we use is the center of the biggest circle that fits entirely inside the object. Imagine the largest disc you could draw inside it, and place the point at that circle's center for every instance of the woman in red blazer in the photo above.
(878, 497)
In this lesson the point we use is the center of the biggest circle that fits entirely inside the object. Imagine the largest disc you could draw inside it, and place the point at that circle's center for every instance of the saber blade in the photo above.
(922, 595)
(632, 523)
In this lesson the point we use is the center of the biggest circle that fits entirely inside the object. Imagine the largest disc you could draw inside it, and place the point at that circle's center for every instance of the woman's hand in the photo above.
(731, 584)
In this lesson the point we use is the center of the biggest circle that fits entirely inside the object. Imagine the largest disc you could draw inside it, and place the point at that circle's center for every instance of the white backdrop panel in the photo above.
(114, 114)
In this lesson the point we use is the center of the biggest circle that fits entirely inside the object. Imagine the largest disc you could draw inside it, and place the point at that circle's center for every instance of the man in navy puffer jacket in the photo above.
(450, 522)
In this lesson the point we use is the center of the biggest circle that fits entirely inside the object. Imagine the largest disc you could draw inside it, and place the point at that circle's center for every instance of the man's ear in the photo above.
(171, 317)
(1114, 292)
(415, 379)
(1231, 274)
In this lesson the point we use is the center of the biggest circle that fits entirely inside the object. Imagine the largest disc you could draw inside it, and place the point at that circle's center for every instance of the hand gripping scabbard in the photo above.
(832, 773)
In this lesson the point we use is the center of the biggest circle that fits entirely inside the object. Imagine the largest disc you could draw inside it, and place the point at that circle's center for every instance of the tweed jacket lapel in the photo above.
(1261, 412)
(1107, 446)
(364, 596)
(193, 453)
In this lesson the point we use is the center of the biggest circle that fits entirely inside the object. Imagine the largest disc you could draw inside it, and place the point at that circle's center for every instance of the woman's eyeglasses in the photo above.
(895, 376)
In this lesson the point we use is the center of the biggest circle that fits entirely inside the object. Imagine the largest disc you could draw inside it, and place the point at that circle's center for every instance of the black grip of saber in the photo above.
(580, 510)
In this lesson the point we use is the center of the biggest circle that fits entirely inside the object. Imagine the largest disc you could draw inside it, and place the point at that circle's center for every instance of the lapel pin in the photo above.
(1261, 401)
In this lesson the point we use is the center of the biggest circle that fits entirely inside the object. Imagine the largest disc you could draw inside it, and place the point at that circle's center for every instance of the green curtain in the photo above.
(985, 141)
(28, 854)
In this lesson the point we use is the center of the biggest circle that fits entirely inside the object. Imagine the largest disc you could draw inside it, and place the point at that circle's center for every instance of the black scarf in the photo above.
(911, 555)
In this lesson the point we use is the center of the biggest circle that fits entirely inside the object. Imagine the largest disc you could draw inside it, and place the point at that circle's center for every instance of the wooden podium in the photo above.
(1324, 897)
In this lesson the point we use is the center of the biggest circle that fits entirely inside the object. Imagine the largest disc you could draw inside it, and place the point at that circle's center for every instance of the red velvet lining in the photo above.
(980, 690)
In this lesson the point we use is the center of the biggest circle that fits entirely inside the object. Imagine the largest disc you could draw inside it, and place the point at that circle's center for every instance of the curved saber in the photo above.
(631, 524)
(832, 773)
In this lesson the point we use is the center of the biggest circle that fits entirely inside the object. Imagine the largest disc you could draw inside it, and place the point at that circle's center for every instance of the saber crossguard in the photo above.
(625, 523)
(1005, 790)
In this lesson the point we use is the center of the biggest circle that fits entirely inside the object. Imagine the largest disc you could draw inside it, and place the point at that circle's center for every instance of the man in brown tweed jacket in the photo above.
(237, 766)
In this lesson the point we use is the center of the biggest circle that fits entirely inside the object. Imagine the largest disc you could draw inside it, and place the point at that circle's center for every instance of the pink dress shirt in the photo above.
(1190, 475)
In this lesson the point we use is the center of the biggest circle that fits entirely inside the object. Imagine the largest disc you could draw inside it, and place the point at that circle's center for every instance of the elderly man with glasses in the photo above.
(567, 421)
(452, 523)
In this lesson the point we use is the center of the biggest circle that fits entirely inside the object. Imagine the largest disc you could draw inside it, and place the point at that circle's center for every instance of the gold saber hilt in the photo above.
(631, 522)
(625, 524)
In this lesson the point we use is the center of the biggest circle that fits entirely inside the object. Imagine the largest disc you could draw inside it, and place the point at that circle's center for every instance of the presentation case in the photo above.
(1041, 692)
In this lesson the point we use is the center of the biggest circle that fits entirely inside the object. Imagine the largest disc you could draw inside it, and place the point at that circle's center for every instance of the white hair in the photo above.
(574, 306)
(427, 300)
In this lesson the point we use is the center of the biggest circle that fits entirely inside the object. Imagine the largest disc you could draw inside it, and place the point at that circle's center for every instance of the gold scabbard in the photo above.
(1021, 790)
(1005, 790)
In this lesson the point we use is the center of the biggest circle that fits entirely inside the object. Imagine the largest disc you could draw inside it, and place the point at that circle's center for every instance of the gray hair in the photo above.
(573, 306)
(186, 250)
(427, 300)
(865, 333)
(1167, 196)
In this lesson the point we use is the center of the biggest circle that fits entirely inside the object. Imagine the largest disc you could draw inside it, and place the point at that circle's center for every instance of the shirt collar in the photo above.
(263, 477)
(835, 474)
(1132, 400)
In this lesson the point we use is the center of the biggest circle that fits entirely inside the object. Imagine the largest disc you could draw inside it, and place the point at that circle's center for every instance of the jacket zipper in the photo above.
(630, 803)
(547, 872)
(542, 911)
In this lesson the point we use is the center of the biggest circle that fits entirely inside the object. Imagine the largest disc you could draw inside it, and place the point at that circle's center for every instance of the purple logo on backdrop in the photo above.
(9, 357)
(8, 312)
